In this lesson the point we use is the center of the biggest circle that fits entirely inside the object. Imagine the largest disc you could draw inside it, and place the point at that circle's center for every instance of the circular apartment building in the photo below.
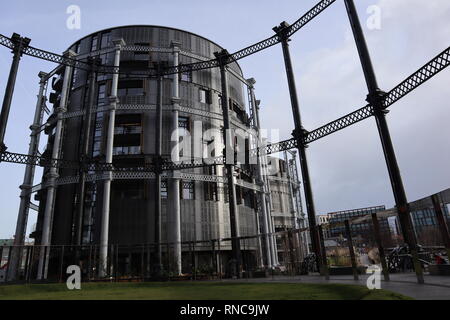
(194, 202)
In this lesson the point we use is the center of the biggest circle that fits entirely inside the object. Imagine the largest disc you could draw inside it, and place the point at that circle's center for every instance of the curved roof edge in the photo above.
(153, 26)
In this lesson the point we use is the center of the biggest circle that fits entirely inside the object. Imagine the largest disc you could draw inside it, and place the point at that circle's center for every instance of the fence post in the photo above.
(441, 221)
(350, 248)
(325, 272)
(376, 230)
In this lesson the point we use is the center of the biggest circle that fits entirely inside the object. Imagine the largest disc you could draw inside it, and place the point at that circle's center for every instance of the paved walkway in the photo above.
(435, 287)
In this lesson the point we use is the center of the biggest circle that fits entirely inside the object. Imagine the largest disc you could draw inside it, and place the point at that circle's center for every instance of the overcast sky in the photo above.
(347, 169)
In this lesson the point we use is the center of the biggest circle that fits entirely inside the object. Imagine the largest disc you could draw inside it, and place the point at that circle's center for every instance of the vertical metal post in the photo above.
(223, 58)
(158, 161)
(261, 176)
(53, 174)
(84, 156)
(25, 195)
(441, 222)
(376, 230)
(174, 184)
(375, 98)
(323, 255)
(299, 134)
(20, 44)
(113, 100)
(348, 231)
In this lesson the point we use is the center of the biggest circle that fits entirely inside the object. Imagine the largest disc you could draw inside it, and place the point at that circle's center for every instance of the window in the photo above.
(188, 190)
(126, 150)
(128, 128)
(131, 88)
(164, 189)
(210, 189)
(101, 95)
(186, 76)
(204, 96)
(106, 39)
(183, 123)
(94, 44)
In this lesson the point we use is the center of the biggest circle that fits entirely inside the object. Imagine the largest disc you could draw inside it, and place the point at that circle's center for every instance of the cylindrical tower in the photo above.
(193, 201)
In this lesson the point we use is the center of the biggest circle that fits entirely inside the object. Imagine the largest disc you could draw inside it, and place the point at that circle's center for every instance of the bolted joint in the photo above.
(300, 135)
(20, 44)
(282, 31)
(223, 57)
(376, 99)
(251, 83)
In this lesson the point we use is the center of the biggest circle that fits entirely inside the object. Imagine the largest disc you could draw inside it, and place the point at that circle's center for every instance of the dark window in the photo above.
(210, 191)
(164, 189)
(106, 39)
(94, 44)
(188, 192)
(131, 88)
(101, 95)
(204, 96)
(183, 122)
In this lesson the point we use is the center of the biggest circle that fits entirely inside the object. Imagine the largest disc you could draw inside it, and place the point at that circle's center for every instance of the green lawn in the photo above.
(196, 291)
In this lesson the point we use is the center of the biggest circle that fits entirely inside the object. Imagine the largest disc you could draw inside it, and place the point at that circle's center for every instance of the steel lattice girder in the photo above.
(259, 46)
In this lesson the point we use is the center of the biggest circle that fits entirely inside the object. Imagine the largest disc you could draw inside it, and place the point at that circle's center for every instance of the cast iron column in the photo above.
(20, 44)
(53, 173)
(375, 98)
(113, 100)
(158, 162)
(174, 183)
(84, 156)
(223, 58)
(262, 194)
(25, 195)
(299, 134)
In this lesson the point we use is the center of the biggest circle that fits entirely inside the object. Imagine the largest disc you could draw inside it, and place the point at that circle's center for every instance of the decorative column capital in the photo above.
(176, 100)
(175, 45)
(251, 83)
(119, 43)
(113, 101)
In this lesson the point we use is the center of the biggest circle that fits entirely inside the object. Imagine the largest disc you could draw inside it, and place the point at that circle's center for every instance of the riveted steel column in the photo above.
(299, 134)
(25, 195)
(348, 231)
(262, 194)
(158, 267)
(267, 197)
(441, 222)
(113, 100)
(375, 98)
(174, 184)
(84, 156)
(223, 58)
(19, 45)
(53, 174)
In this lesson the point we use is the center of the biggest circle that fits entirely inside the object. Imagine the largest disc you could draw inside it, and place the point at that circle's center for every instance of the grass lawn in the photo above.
(196, 291)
